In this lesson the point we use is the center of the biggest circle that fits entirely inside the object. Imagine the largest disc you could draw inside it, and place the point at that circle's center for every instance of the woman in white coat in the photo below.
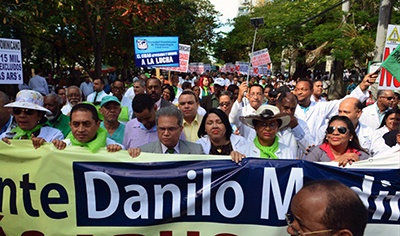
(267, 121)
(216, 137)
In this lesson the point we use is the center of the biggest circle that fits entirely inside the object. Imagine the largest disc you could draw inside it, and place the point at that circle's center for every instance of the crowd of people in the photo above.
(212, 113)
(219, 114)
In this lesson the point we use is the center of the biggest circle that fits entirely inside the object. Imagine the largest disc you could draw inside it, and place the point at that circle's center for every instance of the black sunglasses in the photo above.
(340, 129)
(18, 111)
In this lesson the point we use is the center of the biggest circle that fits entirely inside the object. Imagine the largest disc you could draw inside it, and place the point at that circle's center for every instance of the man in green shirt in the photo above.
(58, 120)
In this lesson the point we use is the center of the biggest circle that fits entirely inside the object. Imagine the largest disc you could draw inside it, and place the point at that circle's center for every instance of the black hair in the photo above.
(171, 91)
(186, 85)
(224, 118)
(86, 107)
(388, 113)
(354, 143)
(310, 83)
(190, 92)
(344, 208)
(141, 102)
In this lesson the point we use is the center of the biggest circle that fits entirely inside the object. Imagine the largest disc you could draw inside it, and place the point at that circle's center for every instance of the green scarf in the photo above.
(95, 144)
(267, 152)
(21, 133)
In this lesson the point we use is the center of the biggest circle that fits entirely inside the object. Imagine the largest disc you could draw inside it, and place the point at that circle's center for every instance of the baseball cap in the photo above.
(220, 82)
(108, 99)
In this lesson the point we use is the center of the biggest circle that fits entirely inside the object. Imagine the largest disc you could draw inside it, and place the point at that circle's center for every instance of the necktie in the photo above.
(170, 150)
(95, 97)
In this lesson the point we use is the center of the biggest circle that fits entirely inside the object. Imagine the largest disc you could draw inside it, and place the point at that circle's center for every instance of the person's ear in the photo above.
(359, 113)
(343, 232)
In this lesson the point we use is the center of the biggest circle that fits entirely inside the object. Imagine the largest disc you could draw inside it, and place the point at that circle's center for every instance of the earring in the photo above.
(350, 140)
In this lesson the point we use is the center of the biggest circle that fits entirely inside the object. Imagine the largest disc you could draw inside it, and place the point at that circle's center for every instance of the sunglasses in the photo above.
(388, 98)
(18, 111)
(340, 129)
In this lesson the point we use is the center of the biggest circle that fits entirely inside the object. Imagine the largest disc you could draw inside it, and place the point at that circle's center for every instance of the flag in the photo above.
(392, 63)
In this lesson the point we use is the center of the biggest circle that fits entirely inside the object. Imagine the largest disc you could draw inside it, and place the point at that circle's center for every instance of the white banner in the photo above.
(184, 55)
(260, 58)
(10, 61)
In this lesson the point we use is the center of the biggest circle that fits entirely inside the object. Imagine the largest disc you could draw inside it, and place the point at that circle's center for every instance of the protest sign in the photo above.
(242, 67)
(156, 51)
(197, 67)
(260, 58)
(392, 63)
(10, 61)
(46, 191)
(184, 55)
(385, 79)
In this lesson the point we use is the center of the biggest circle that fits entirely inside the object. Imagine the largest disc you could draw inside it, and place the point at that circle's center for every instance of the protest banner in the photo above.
(260, 70)
(184, 55)
(260, 58)
(228, 68)
(156, 51)
(10, 61)
(46, 191)
(197, 67)
(242, 67)
(385, 79)
(392, 63)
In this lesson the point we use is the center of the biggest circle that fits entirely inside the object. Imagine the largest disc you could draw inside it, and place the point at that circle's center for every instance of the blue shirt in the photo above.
(118, 135)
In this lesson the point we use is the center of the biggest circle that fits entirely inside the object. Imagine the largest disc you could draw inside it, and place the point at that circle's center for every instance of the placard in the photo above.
(10, 61)
(156, 51)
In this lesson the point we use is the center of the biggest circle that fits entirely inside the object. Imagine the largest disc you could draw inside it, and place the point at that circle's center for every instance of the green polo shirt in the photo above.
(61, 123)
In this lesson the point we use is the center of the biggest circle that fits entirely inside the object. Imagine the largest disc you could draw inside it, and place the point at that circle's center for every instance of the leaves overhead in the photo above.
(311, 41)
(96, 32)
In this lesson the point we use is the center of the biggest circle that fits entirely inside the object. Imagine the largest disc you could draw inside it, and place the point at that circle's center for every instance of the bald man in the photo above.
(373, 115)
(326, 207)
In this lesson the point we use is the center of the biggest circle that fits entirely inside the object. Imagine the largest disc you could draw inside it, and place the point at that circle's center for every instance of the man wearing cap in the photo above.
(169, 128)
(86, 131)
(211, 101)
(110, 107)
(57, 120)
(266, 121)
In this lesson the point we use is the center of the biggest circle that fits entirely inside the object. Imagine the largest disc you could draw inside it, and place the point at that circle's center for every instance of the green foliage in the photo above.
(96, 32)
(324, 35)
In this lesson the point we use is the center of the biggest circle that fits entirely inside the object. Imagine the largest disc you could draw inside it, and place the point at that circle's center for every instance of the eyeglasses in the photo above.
(289, 220)
(225, 104)
(170, 129)
(255, 95)
(388, 98)
(118, 88)
(263, 124)
(72, 95)
(18, 111)
(340, 129)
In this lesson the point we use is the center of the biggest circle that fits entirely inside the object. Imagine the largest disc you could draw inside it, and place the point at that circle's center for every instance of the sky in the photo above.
(228, 9)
